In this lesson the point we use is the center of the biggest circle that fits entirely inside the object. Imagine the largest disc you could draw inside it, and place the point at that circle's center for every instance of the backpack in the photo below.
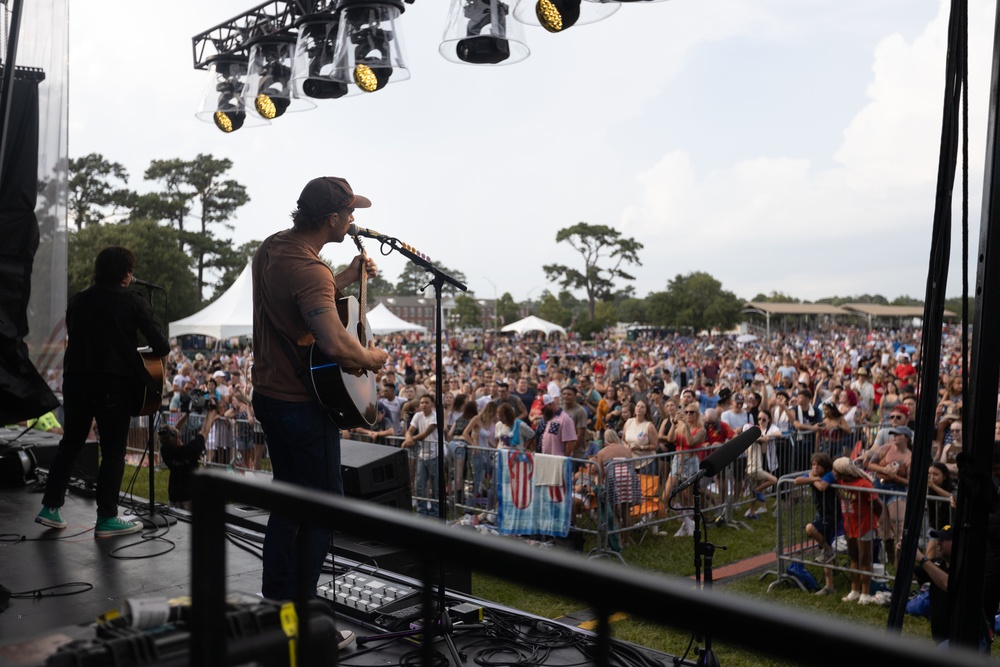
(799, 572)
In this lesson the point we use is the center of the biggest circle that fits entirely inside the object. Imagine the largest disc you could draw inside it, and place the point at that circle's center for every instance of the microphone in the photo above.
(721, 458)
(146, 284)
(354, 230)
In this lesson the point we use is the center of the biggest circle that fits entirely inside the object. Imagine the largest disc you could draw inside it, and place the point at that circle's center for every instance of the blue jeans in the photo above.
(427, 471)
(304, 445)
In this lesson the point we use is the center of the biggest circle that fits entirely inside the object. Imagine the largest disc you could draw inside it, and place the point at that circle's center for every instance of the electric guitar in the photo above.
(149, 385)
(348, 393)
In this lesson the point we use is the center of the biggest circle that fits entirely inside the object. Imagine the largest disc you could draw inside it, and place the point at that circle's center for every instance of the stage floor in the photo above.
(79, 578)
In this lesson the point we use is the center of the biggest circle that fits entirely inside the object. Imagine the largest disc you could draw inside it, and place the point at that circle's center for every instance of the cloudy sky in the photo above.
(786, 145)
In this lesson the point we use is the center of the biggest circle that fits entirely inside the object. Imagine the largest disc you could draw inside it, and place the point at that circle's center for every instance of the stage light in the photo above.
(269, 90)
(222, 102)
(314, 73)
(481, 32)
(560, 15)
(369, 48)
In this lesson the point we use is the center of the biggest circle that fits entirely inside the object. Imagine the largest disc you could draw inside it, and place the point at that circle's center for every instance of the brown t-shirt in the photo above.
(289, 281)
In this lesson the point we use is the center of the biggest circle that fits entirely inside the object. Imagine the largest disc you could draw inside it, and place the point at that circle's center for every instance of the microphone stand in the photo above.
(153, 520)
(442, 623)
(703, 550)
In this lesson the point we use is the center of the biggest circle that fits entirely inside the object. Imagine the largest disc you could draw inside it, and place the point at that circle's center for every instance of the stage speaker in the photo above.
(395, 559)
(87, 463)
(17, 465)
(371, 470)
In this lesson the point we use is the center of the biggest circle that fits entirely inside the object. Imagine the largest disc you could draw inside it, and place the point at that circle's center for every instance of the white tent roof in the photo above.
(229, 316)
(382, 321)
(532, 323)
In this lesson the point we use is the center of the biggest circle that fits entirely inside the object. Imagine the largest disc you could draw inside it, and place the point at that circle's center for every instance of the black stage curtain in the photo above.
(23, 392)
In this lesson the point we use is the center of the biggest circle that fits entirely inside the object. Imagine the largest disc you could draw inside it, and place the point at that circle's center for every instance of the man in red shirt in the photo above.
(716, 433)
(904, 369)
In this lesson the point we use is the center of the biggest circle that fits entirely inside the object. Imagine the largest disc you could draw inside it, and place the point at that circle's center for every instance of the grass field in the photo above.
(665, 555)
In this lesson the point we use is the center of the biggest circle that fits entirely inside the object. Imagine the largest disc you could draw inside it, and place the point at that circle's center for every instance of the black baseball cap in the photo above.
(329, 194)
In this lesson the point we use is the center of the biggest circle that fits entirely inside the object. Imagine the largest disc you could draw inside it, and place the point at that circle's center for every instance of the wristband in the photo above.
(923, 561)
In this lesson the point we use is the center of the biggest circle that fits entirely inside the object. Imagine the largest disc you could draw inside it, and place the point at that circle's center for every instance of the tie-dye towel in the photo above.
(526, 509)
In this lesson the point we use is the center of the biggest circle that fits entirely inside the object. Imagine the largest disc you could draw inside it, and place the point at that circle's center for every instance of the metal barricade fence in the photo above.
(797, 509)
(237, 444)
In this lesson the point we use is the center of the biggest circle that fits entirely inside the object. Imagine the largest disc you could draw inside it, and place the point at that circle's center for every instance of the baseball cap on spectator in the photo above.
(943, 534)
(219, 374)
(738, 397)
(328, 194)
(199, 357)
(709, 382)
(902, 430)
(862, 371)
(902, 409)
(547, 399)
(724, 393)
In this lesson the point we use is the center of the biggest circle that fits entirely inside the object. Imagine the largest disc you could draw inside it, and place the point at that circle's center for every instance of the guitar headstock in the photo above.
(357, 241)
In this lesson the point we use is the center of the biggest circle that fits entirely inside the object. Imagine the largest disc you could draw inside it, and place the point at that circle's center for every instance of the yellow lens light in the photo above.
(365, 78)
(265, 106)
(549, 16)
(223, 122)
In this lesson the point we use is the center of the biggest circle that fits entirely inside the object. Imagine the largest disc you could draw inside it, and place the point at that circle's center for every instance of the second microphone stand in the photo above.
(442, 623)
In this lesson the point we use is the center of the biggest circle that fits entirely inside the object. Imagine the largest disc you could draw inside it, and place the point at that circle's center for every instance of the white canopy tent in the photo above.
(382, 321)
(229, 316)
(532, 323)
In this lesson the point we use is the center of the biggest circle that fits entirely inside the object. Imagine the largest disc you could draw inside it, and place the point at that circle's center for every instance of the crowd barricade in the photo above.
(236, 444)
(796, 509)
(615, 507)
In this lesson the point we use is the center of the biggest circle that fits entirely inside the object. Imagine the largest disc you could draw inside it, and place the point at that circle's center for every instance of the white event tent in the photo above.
(382, 321)
(532, 323)
(231, 315)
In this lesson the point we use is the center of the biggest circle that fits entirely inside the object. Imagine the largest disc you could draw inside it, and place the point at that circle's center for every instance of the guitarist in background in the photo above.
(101, 380)
(295, 304)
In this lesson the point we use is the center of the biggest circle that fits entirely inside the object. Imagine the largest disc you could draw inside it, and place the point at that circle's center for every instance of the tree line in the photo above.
(180, 229)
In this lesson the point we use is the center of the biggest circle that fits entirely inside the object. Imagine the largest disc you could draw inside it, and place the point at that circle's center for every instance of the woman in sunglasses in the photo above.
(687, 432)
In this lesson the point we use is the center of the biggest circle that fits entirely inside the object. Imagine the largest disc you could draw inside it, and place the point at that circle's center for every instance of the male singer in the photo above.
(294, 305)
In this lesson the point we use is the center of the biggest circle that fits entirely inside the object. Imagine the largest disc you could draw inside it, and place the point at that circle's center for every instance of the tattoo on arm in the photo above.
(319, 311)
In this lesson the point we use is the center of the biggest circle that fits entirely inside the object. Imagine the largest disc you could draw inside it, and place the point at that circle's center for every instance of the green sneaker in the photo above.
(116, 526)
(49, 516)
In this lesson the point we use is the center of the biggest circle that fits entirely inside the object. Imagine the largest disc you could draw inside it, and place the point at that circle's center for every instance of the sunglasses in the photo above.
(690, 412)
(897, 417)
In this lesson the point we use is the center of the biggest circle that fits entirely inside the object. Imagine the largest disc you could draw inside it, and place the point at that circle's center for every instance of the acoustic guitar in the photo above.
(148, 394)
(349, 394)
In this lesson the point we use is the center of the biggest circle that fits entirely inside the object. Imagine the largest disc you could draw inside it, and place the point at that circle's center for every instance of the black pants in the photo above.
(82, 403)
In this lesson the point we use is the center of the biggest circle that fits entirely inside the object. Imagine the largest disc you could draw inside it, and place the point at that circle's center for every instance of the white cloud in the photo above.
(861, 224)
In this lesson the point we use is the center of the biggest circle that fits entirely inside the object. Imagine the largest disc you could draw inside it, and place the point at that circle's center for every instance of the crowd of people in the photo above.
(843, 392)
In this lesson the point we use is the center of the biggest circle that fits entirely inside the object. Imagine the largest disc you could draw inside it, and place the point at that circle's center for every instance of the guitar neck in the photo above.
(362, 286)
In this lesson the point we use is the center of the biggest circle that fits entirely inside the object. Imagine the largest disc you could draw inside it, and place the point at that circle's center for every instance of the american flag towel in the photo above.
(526, 509)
